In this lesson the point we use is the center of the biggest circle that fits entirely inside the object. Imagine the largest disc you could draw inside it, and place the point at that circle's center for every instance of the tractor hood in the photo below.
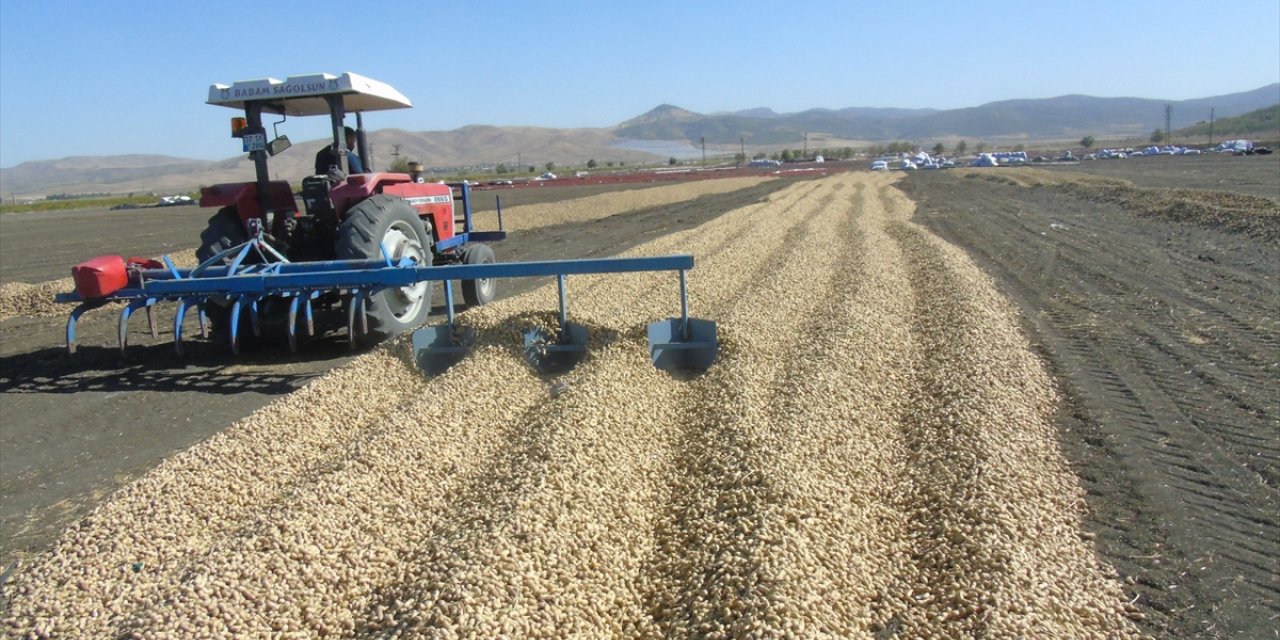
(304, 95)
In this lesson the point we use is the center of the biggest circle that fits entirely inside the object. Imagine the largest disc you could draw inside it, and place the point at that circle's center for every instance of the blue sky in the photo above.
(105, 78)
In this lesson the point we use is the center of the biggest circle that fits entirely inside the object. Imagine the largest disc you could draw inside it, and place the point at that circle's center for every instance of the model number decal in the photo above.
(421, 200)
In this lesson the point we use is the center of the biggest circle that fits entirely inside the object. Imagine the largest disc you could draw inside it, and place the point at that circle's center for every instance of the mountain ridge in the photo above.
(761, 128)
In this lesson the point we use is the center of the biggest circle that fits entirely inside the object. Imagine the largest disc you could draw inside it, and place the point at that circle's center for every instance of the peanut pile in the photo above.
(871, 456)
(24, 299)
(532, 216)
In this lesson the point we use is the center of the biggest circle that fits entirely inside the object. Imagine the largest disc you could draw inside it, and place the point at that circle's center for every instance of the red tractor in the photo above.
(369, 215)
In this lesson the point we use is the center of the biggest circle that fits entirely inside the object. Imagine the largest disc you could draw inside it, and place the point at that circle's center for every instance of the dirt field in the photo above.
(1160, 339)
(1165, 338)
(1249, 175)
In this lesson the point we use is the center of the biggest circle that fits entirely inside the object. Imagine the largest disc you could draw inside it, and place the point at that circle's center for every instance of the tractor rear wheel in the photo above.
(226, 230)
(386, 221)
(481, 291)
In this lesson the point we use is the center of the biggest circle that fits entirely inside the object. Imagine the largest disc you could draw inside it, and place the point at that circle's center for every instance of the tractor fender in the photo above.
(432, 201)
(244, 197)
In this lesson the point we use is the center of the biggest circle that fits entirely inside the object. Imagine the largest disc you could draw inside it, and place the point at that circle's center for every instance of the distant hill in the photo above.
(650, 137)
(103, 170)
(465, 147)
(1259, 121)
(1049, 118)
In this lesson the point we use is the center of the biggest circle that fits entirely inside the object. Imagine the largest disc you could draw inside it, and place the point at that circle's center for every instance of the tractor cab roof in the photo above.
(305, 95)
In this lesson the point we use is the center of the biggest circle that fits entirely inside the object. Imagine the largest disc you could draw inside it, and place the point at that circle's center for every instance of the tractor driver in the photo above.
(325, 159)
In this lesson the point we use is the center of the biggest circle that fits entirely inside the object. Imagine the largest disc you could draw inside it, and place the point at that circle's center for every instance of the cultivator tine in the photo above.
(356, 311)
(254, 321)
(554, 353)
(293, 324)
(303, 300)
(178, 315)
(180, 318)
(73, 319)
(151, 321)
(235, 326)
(123, 329)
(684, 342)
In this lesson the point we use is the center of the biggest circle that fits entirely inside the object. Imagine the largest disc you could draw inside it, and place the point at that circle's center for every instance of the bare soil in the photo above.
(1165, 340)
(75, 428)
(1249, 175)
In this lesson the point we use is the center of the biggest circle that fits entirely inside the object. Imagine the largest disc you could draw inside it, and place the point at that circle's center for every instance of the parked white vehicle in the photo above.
(879, 165)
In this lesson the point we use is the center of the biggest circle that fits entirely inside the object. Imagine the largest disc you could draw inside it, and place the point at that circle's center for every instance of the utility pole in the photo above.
(1168, 118)
(703, 140)
(1211, 126)
(742, 140)
(806, 145)
(395, 151)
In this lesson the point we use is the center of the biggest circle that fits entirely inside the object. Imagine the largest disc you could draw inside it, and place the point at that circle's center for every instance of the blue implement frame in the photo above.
(675, 343)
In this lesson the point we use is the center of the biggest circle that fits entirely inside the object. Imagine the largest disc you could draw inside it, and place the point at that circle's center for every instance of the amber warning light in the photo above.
(238, 125)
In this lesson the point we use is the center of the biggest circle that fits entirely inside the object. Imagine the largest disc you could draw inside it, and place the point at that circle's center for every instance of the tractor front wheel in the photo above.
(379, 222)
(481, 291)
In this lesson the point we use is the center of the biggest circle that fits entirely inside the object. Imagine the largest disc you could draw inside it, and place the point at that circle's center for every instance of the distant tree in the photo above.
(981, 147)
(760, 156)
(399, 165)
(1021, 147)
(938, 149)
(961, 147)
(622, 163)
(786, 155)
(1087, 142)
(739, 158)
(608, 163)
(1157, 136)
(532, 169)
(502, 168)
(551, 166)
(846, 153)
(671, 161)
(591, 164)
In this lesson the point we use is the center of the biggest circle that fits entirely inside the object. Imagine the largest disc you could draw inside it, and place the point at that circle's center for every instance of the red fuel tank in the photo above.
(100, 276)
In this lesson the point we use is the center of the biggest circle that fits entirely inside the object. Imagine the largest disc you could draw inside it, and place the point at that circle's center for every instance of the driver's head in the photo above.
(351, 137)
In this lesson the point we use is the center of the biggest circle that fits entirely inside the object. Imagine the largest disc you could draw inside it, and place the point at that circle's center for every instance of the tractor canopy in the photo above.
(306, 95)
